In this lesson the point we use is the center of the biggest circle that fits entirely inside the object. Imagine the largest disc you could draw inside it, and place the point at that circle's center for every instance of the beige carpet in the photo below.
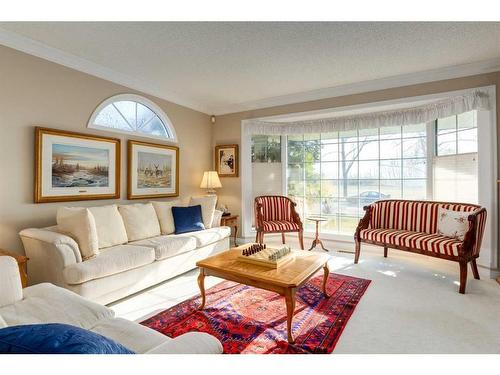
(412, 305)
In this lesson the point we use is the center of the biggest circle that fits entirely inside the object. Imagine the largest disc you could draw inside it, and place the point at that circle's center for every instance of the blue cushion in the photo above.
(56, 338)
(187, 219)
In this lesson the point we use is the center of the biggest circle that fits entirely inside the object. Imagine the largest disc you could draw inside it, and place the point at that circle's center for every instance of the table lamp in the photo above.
(210, 182)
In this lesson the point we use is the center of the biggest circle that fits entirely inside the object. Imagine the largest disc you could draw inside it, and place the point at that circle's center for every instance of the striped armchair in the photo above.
(276, 214)
(412, 226)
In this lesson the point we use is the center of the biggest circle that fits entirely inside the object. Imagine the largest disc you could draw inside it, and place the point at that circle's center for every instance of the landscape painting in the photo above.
(153, 170)
(73, 166)
(77, 166)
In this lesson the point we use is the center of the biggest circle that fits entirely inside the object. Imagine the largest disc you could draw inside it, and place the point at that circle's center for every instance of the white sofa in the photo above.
(47, 303)
(119, 270)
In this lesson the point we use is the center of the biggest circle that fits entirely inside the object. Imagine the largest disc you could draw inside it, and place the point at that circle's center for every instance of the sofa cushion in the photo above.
(110, 228)
(415, 240)
(190, 343)
(187, 219)
(79, 224)
(168, 246)
(132, 335)
(140, 221)
(56, 338)
(164, 214)
(208, 236)
(47, 303)
(453, 224)
(207, 204)
(111, 261)
(279, 225)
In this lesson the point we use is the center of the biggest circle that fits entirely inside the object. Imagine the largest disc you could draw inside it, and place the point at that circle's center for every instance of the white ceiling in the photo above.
(227, 67)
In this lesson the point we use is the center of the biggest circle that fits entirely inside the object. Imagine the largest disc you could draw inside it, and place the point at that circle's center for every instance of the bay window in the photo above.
(335, 174)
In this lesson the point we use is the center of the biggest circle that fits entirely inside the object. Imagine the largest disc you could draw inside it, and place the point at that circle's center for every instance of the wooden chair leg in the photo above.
(385, 251)
(475, 271)
(357, 251)
(301, 239)
(261, 239)
(283, 238)
(463, 276)
(257, 235)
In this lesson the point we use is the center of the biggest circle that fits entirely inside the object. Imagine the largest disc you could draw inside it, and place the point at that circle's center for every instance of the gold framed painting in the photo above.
(226, 160)
(153, 170)
(73, 166)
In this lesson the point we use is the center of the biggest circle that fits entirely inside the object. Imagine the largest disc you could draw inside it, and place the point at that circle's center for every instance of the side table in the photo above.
(317, 241)
(22, 263)
(232, 222)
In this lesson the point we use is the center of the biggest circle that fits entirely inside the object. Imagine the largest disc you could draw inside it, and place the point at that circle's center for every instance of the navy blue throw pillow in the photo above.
(56, 338)
(187, 219)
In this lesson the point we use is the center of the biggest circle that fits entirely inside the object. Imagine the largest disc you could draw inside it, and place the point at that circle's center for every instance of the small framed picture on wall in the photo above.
(153, 170)
(227, 160)
(74, 167)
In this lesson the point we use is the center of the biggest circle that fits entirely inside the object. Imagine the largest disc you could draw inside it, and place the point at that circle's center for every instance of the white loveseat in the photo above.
(124, 268)
(47, 303)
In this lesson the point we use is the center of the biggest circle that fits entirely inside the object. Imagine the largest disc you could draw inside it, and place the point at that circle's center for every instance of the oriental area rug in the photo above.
(248, 320)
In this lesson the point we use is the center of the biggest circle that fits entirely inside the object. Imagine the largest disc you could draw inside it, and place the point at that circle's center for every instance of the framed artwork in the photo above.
(226, 160)
(153, 170)
(72, 166)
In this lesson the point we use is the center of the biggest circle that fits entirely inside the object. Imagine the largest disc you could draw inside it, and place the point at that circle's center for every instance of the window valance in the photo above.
(413, 115)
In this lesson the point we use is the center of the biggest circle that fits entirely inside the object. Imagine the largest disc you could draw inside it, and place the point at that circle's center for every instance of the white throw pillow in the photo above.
(79, 223)
(207, 203)
(140, 221)
(164, 214)
(110, 228)
(452, 224)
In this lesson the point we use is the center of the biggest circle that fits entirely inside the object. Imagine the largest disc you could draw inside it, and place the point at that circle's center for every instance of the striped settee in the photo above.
(412, 226)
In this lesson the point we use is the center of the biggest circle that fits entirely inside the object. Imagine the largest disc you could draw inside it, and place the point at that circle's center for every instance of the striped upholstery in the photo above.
(481, 224)
(414, 240)
(411, 215)
(275, 208)
(413, 224)
(280, 226)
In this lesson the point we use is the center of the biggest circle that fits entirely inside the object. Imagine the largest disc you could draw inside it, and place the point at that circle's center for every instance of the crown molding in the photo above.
(38, 49)
(35, 48)
(440, 74)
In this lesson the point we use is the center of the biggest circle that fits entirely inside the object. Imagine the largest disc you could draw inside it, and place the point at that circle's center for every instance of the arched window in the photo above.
(133, 114)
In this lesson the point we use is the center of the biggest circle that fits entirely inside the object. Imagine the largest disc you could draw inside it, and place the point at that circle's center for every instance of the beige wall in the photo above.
(227, 129)
(37, 92)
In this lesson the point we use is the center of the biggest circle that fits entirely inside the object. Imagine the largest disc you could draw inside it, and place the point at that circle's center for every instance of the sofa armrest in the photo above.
(64, 245)
(49, 253)
(474, 235)
(364, 223)
(189, 343)
(217, 218)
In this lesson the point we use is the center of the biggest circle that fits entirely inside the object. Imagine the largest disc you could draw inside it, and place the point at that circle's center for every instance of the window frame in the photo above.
(169, 128)
(455, 132)
(357, 139)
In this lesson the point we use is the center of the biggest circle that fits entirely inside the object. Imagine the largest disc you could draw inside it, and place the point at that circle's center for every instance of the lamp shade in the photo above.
(210, 180)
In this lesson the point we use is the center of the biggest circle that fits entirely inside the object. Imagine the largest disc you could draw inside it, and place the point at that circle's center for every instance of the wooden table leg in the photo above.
(290, 308)
(201, 284)
(235, 234)
(326, 273)
(316, 240)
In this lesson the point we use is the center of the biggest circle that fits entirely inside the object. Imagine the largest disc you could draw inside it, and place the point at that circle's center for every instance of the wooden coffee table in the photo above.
(284, 280)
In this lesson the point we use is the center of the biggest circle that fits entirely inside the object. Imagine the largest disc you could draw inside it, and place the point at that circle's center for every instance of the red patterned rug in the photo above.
(251, 320)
